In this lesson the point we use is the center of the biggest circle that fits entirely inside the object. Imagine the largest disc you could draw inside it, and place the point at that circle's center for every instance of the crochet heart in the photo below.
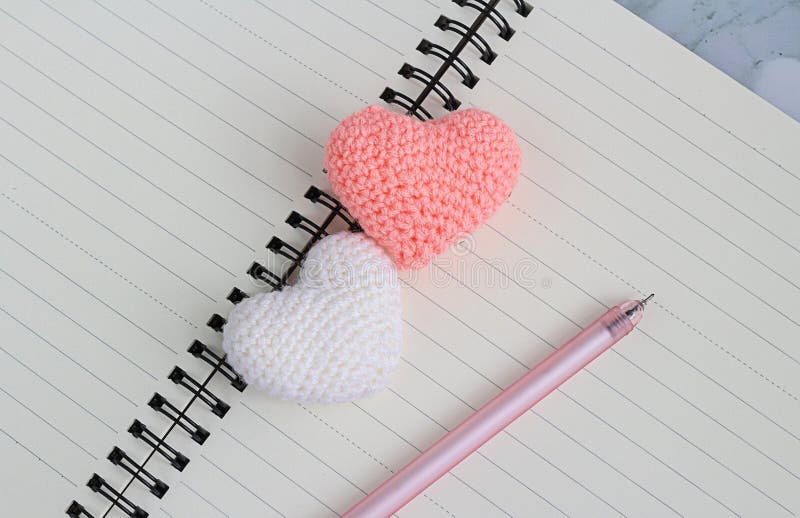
(334, 336)
(418, 187)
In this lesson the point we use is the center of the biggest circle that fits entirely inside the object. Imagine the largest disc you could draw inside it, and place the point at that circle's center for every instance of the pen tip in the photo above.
(645, 300)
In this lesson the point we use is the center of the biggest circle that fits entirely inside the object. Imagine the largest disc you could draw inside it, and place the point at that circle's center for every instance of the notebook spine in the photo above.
(178, 418)
(433, 84)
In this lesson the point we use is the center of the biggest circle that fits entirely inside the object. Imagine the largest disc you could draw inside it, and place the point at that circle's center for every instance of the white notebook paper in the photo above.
(149, 149)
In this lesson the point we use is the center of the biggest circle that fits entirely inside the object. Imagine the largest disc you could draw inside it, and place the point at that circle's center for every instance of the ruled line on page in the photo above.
(37, 457)
(305, 450)
(93, 335)
(611, 426)
(210, 76)
(48, 423)
(467, 326)
(371, 456)
(140, 138)
(639, 329)
(673, 314)
(481, 455)
(463, 323)
(419, 450)
(695, 446)
(505, 471)
(56, 349)
(97, 260)
(105, 227)
(614, 350)
(655, 191)
(520, 362)
(358, 447)
(308, 452)
(203, 498)
(716, 460)
(127, 167)
(47, 382)
(648, 452)
(241, 485)
(405, 440)
(594, 454)
(105, 189)
(512, 436)
(538, 414)
(250, 248)
(243, 62)
(556, 467)
(670, 312)
(258, 36)
(513, 477)
(667, 91)
(614, 200)
(351, 24)
(782, 466)
(187, 97)
(359, 29)
(657, 120)
(657, 229)
(276, 469)
(324, 42)
(669, 274)
(114, 310)
(401, 20)
(671, 166)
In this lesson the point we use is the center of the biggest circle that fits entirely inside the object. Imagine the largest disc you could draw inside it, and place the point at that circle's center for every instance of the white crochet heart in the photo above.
(334, 336)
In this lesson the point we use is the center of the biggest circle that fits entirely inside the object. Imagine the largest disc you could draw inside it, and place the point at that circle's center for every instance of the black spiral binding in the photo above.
(451, 58)
(179, 418)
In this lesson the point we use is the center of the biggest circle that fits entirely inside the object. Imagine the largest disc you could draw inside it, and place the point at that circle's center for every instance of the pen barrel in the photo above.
(495, 415)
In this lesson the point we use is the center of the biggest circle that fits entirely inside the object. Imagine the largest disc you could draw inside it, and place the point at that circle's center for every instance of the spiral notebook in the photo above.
(150, 150)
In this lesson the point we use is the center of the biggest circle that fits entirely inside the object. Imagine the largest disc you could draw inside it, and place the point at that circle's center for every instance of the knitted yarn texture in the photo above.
(418, 187)
(334, 336)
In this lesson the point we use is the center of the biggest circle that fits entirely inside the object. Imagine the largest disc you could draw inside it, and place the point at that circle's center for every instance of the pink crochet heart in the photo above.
(417, 187)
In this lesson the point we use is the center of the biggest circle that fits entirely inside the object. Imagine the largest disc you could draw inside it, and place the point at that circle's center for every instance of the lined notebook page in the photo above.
(150, 149)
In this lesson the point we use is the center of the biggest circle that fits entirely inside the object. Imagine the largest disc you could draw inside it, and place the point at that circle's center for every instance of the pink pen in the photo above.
(498, 413)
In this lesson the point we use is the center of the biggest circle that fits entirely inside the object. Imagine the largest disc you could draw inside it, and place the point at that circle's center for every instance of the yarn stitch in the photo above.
(418, 187)
(334, 336)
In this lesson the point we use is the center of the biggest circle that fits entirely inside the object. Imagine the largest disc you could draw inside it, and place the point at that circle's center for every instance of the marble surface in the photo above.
(756, 42)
